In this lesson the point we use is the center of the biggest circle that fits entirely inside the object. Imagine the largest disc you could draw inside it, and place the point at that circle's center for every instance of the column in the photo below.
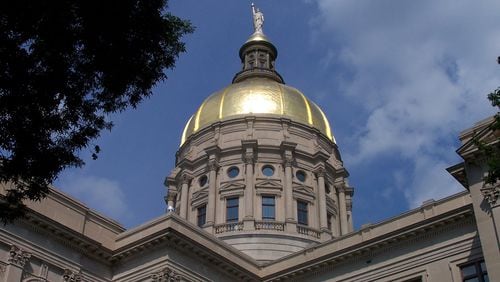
(249, 155)
(323, 223)
(289, 216)
(287, 150)
(249, 193)
(16, 261)
(184, 196)
(212, 193)
(342, 210)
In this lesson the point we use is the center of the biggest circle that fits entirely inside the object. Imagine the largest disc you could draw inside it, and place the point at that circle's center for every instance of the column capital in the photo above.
(491, 193)
(18, 256)
(288, 161)
(71, 276)
(186, 177)
(320, 170)
(340, 188)
(213, 165)
(166, 274)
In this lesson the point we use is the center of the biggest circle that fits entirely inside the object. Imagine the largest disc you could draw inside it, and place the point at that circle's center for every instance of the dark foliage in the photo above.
(493, 152)
(64, 66)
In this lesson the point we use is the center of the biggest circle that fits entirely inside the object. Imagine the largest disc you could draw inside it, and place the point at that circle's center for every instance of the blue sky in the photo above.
(398, 81)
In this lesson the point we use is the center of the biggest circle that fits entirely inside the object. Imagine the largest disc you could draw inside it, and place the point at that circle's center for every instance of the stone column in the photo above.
(287, 149)
(213, 166)
(342, 210)
(16, 262)
(323, 221)
(249, 151)
(186, 179)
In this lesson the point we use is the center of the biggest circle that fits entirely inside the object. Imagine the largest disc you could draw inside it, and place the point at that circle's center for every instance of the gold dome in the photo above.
(258, 95)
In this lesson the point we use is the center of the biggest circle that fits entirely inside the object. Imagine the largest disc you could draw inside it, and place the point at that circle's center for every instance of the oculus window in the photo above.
(233, 171)
(203, 180)
(301, 175)
(268, 170)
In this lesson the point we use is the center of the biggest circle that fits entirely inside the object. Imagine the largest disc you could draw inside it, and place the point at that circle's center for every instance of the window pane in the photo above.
(468, 270)
(202, 212)
(232, 209)
(485, 278)
(268, 212)
(231, 202)
(472, 280)
(302, 212)
(268, 201)
(483, 266)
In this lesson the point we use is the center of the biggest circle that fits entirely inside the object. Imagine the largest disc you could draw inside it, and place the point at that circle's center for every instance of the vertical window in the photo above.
(268, 210)
(474, 272)
(202, 215)
(302, 212)
(232, 209)
(329, 221)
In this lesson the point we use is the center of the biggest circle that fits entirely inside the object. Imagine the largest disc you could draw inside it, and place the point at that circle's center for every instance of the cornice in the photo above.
(426, 229)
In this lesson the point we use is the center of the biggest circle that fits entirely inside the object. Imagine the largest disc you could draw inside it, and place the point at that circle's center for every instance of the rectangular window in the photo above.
(474, 272)
(268, 210)
(232, 209)
(202, 215)
(302, 212)
(329, 221)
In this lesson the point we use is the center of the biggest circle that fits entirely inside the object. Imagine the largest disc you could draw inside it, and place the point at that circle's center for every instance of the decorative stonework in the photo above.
(166, 275)
(213, 165)
(18, 257)
(491, 192)
(71, 276)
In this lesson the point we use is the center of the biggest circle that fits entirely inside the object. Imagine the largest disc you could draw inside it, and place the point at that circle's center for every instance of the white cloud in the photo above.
(420, 70)
(101, 194)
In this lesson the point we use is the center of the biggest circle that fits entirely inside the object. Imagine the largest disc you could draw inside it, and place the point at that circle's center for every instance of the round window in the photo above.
(301, 175)
(203, 180)
(233, 171)
(268, 170)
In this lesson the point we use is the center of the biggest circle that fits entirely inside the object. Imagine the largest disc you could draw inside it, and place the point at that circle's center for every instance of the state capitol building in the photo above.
(259, 192)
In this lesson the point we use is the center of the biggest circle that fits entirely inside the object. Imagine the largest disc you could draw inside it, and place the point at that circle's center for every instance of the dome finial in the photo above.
(258, 19)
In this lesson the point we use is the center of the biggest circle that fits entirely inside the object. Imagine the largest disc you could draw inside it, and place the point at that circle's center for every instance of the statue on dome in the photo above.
(258, 19)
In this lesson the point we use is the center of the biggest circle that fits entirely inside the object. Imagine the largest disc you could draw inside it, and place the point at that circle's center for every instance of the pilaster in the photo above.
(185, 180)
(213, 153)
(17, 259)
(287, 150)
(323, 221)
(249, 157)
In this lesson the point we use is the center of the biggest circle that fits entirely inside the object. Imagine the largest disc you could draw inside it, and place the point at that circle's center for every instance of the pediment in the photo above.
(482, 133)
(200, 194)
(270, 184)
(230, 186)
(304, 190)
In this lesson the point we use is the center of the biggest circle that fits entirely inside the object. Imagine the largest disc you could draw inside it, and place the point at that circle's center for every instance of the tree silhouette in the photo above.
(64, 67)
